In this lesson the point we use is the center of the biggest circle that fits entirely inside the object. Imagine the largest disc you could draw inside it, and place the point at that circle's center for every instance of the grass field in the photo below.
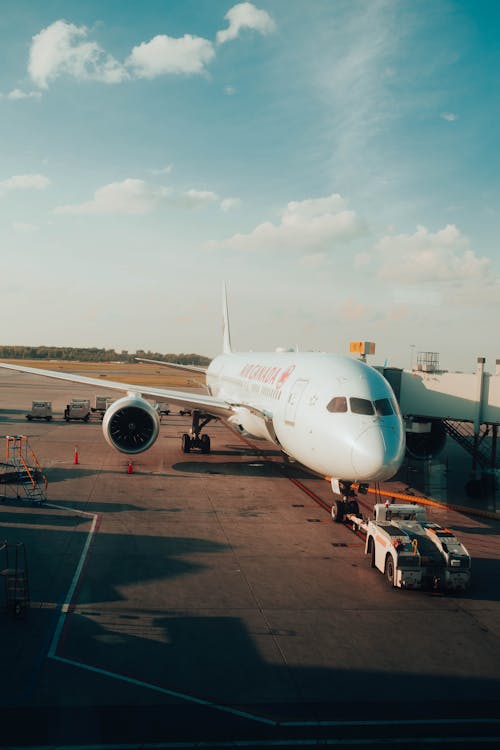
(135, 373)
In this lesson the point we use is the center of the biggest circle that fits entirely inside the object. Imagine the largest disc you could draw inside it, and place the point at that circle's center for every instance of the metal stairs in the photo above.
(31, 483)
(14, 570)
(461, 433)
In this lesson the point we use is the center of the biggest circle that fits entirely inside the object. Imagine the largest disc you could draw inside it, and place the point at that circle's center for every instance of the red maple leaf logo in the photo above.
(285, 375)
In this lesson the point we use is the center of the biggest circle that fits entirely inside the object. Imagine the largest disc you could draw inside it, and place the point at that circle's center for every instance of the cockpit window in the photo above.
(383, 407)
(361, 406)
(337, 404)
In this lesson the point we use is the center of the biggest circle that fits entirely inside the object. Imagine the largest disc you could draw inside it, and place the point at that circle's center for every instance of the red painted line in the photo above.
(311, 494)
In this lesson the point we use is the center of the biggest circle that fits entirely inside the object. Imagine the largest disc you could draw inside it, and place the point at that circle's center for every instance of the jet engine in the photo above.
(131, 425)
(425, 439)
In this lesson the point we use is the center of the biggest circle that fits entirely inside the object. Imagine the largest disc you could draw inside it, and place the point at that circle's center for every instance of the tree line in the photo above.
(94, 354)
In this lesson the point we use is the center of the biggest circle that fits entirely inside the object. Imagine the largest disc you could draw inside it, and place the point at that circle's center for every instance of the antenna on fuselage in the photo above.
(226, 333)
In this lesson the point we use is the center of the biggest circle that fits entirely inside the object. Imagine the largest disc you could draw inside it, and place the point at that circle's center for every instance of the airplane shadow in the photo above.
(257, 468)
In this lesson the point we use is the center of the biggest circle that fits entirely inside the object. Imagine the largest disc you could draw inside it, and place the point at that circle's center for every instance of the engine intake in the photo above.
(131, 425)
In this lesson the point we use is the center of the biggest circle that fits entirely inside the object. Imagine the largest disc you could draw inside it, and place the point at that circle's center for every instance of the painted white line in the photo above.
(165, 691)
(65, 608)
(74, 583)
(389, 722)
(227, 709)
(304, 742)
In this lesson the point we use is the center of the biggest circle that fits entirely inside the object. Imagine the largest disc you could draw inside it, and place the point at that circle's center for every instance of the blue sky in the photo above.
(336, 162)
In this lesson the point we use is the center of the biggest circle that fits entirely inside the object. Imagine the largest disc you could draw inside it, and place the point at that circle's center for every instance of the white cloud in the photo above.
(133, 197)
(24, 182)
(228, 204)
(62, 48)
(197, 198)
(429, 257)
(312, 223)
(168, 55)
(23, 226)
(449, 116)
(167, 169)
(353, 74)
(245, 16)
(17, 94)
(315, 260)
(136, 197)
(230, 90)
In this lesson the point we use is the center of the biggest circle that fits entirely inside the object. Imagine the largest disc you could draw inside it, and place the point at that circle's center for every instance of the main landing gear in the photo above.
(348, 504)
(195, 439)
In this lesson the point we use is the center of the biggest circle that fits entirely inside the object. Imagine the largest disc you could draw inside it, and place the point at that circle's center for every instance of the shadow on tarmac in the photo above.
(257, 468)
(215, 659)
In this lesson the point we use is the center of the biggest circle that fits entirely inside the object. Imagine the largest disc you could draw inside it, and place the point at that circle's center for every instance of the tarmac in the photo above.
(209, 601)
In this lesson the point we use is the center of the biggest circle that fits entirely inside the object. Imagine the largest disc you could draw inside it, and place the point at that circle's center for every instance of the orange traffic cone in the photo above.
(130, 468)
(75, 458)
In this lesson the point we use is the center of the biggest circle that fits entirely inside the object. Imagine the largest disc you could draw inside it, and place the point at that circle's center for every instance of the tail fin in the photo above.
(226, 334)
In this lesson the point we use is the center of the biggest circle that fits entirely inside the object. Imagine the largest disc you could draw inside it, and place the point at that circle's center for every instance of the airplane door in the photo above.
(293, 400)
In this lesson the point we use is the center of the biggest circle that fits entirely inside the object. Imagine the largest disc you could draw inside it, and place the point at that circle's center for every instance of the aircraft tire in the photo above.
(337, 511)
(205, 443)
(186, 443)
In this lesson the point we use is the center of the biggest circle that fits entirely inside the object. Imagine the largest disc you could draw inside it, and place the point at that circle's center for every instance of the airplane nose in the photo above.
(376, 454)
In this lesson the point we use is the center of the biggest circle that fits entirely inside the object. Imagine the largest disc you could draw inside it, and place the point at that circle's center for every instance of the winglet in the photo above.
(226, 334)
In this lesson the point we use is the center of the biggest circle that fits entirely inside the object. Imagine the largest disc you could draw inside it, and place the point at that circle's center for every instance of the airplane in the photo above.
(334, 415)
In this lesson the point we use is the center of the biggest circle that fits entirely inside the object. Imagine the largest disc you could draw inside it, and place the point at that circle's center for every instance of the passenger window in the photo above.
(337, 404)
(361, 406)
(383, 407)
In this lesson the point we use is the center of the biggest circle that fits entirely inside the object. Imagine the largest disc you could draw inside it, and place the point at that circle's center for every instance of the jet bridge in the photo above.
(463, 406)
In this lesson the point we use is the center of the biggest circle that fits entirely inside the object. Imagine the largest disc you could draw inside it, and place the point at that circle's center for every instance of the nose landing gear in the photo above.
(194, 439)
(348, 504)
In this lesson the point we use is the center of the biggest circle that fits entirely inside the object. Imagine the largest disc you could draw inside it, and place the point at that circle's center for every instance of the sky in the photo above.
(335, 162)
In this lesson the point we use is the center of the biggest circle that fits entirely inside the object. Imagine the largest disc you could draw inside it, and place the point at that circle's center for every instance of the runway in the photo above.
(209, 598)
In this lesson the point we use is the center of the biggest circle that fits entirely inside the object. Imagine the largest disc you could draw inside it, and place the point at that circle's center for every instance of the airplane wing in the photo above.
(205, 403)
(175, 365)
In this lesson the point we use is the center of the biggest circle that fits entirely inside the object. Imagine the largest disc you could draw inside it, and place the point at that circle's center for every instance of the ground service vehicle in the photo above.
(99, 406)
(162, 408)
(411, 551)
(78, 408)
(40, 410)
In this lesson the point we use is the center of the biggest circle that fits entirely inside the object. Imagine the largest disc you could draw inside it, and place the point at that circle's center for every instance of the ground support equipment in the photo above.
(409, 550)
(14, 571)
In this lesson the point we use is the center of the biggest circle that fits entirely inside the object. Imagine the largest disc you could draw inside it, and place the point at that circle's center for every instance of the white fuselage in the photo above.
(335, 415)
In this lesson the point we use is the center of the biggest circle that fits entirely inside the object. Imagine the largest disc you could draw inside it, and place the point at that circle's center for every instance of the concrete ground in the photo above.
(209, 598)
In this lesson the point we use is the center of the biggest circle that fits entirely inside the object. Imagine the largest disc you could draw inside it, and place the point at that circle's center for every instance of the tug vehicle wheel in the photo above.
(389, 570)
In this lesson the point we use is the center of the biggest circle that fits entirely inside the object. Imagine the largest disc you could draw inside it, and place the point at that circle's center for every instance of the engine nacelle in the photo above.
(131, 425)
(425, 439)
